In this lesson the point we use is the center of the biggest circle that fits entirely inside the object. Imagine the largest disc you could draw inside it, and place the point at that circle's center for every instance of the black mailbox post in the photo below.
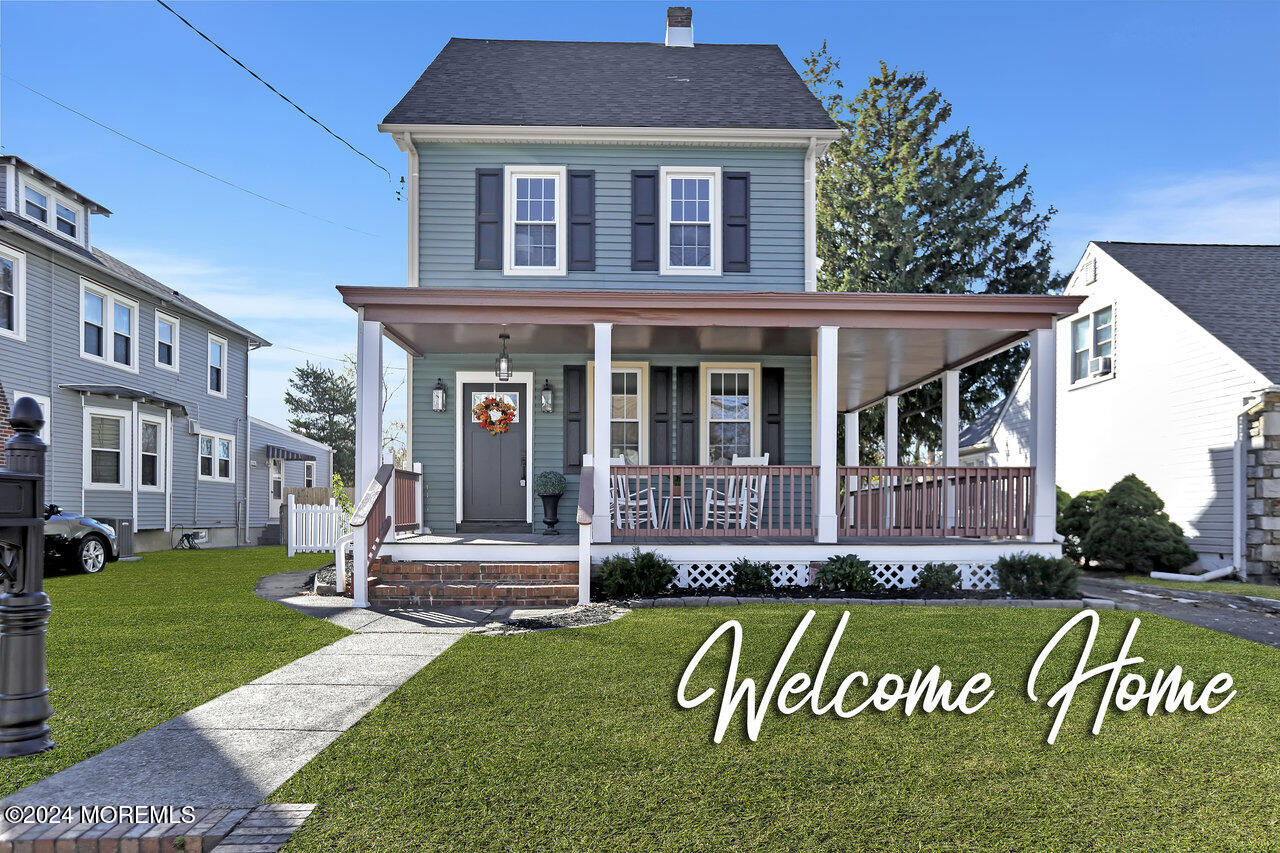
(24, 607)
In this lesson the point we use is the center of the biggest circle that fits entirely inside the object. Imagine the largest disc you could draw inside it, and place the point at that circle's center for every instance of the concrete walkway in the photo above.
(1256, 619)
(235, 750)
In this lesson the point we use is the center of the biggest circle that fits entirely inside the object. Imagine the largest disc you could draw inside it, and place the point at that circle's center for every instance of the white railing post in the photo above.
(417, 497)
(828, 358)
(291, 526)
(1043, 427)
(852, 448)
(586, 506)
(602, 391)
(891, 459)
(950, 441)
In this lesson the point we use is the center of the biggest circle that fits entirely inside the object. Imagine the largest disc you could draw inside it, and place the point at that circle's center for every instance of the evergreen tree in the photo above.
(909, 204)
(322, 406)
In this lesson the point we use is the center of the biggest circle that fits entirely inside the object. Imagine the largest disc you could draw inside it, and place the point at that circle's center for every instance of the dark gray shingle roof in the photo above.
(1231, 291)
(610, 84)
(983, 425)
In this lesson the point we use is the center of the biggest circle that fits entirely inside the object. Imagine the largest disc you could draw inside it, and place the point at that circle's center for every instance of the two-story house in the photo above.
(612, 274)
(145, 391)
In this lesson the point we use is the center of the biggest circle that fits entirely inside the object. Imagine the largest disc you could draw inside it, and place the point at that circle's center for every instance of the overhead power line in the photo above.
(184, 163)
(282, 95)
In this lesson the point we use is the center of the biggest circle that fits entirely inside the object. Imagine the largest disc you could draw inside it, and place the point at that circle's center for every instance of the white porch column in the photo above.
(828, 357)
(368, 439)
(852, 446)
(602, 395)
(950, 438)
(1043, 433)
(891, 430)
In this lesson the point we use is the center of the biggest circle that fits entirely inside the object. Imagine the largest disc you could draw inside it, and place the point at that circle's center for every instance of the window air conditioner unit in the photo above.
(1100, 366)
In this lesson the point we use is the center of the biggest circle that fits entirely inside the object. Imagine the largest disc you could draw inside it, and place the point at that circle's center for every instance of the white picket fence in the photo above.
(315, 527)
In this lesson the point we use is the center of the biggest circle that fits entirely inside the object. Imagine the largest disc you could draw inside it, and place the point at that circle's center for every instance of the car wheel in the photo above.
(91, 554)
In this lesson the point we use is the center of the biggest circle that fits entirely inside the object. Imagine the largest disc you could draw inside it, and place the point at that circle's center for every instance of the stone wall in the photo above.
(1262, 492)
(5, 429)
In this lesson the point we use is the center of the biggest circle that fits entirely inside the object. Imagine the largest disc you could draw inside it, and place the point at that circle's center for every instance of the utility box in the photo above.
(124, 534)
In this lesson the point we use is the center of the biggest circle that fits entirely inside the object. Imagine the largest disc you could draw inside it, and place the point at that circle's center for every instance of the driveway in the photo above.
(1236, 615)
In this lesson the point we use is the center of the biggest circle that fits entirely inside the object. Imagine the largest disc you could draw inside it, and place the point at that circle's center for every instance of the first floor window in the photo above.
(730, 408)
(106, 450)
(206, 456)
(217, 366)
(36, 204)
(309, 475)
(10, 292)
(224, 459)
(95, 323)
(624, 414)
(150, 451)
(1092, 337)
(277, 479)
(217, 457)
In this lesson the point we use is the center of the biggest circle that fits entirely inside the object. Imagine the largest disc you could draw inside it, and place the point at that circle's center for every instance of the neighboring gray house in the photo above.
(1002, 434)
(1169, 370)
(279, 460)
(145, 391)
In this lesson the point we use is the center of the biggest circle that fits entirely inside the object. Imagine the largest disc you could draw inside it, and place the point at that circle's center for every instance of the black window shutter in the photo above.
(736, 219)
(488, 219)
(575, 416)
(582, 220)
(660, 416)
(644, 220)
(771, 408)
(687, 416)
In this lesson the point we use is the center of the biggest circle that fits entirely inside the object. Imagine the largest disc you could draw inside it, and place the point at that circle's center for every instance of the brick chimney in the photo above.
(679, 26)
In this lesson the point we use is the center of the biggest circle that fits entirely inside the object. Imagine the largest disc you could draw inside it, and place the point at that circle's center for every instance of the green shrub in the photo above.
(1064, 498)
(1074, 521)
(847, 573)
(752, 576)
(637, 573)
(938, 578)
(549, 483)
(1037, 576)
(1130, 530)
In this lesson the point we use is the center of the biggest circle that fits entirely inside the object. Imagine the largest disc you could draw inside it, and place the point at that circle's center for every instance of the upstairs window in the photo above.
(166, 341)
(217, 366)
(691, 221)
(36, 205)
(50, 209)
(12, 291)
(109, 326)
(1092, 339)
(536, 213)
(67, 220)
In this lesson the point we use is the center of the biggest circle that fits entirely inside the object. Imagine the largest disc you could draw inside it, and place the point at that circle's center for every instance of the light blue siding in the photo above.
(434, 439)
(447, 204)
(293, 470)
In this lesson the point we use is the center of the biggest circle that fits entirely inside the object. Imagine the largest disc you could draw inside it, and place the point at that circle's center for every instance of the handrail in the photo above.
(586, 494)
(376, 487)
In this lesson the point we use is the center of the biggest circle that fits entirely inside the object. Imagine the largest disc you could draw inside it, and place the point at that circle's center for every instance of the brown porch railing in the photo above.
(406, 489)
(372, 511)
(713, 501)
(919, 501)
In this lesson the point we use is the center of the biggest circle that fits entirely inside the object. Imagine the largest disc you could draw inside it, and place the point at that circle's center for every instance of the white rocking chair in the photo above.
(741, 502)
(630, 508)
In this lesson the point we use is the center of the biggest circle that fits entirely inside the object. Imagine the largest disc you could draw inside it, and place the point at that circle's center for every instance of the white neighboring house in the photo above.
(1174, 353)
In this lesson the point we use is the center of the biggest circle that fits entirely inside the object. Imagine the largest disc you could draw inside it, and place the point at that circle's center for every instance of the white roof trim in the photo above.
(283, 431)
(615, 135)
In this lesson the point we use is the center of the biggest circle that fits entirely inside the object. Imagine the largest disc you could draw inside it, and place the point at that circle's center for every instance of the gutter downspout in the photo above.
(810, 217)
(1239, 482)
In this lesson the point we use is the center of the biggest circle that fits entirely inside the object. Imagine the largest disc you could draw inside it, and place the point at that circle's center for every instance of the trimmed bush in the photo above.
(637, 573)
(1074, 521)
(847, 573)
(937, 578)
(1037, 576)
(549, 483)
(1131, 531)
(752, 576)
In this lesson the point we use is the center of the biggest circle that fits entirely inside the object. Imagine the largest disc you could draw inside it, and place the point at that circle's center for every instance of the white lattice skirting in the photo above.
(973, 575)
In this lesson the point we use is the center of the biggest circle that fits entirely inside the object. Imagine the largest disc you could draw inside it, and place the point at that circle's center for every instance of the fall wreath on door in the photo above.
(494, 414)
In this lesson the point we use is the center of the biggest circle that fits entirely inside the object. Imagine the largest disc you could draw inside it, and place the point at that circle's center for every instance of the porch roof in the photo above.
(899, 340)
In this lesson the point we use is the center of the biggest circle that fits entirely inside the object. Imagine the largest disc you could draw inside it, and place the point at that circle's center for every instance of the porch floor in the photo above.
(570, 538)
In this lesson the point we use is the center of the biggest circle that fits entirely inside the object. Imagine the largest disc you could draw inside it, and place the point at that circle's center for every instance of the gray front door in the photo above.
(494, 467)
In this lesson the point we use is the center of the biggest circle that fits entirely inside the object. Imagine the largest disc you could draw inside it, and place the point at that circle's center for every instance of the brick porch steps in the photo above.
(476, 584)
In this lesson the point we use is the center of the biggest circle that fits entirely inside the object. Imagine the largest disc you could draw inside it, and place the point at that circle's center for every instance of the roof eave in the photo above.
(772, 136)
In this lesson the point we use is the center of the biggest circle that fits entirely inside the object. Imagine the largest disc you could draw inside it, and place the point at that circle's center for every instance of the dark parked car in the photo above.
(82, 542)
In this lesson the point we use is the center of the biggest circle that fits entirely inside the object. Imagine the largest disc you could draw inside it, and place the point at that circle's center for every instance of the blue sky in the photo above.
(1139, 121)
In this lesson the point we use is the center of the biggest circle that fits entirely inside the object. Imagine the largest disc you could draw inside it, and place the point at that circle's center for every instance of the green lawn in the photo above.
(1230, 587)
(572, 740)
(139, 643)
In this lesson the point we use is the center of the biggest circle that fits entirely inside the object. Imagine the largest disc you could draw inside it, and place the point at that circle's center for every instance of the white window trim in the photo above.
(1087, 381)
(666, 173)
(19, 261)
(162, 453)
(216, 436)
(560, 174)
(704, 404)
(308, 472)
(109, 301)
(126, 450)
(177, 333)
(643, 368)
(226, 357)
(54, 199)
(45, 406)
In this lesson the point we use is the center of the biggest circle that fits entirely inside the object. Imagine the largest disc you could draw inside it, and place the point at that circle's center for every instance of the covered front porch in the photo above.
(719, 413)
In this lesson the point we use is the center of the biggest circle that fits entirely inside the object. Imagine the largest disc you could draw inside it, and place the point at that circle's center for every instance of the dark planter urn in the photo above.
(550, 514)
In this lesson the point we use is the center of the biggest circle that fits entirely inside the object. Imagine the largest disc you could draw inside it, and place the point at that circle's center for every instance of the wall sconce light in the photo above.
(502, 364)
(548, 397)
(438, 396)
